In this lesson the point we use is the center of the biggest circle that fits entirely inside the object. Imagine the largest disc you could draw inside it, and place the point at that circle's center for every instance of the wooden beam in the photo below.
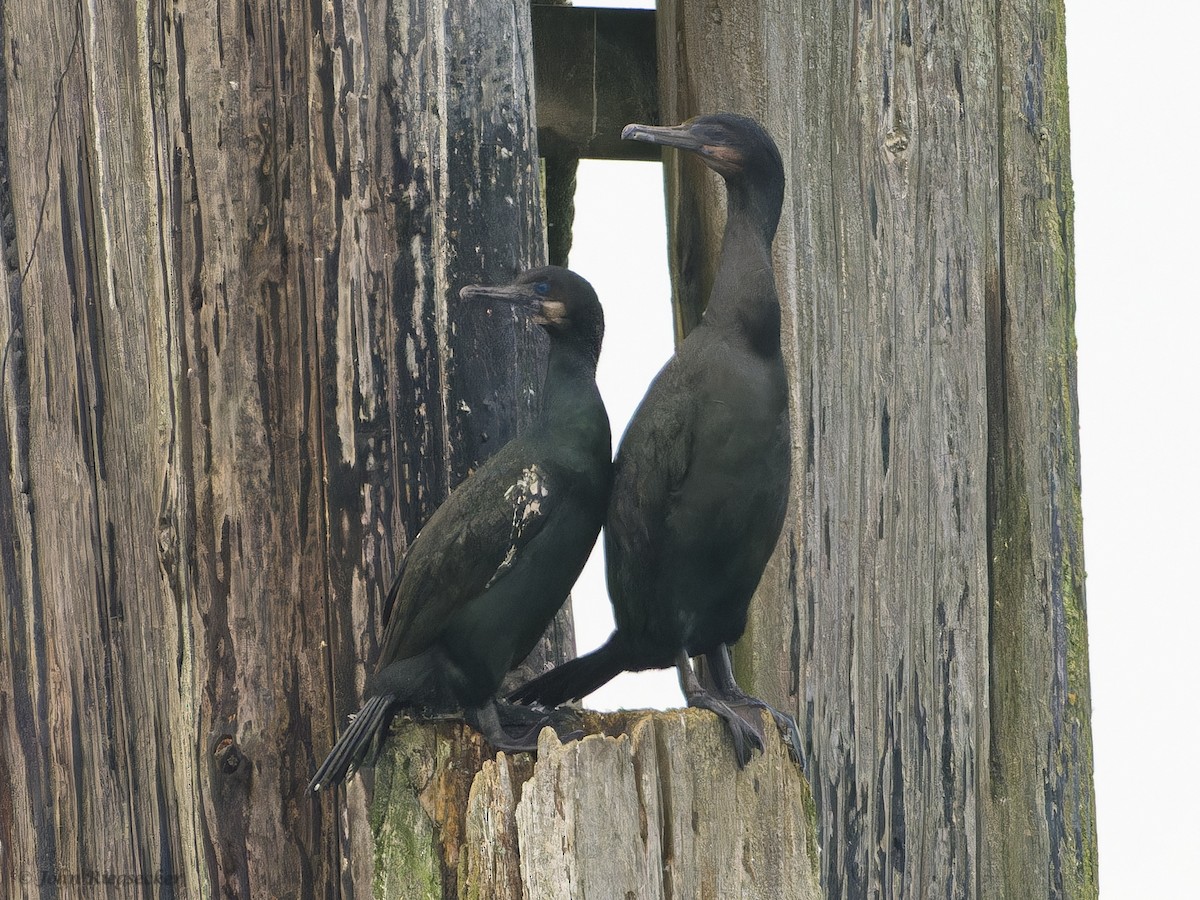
(595, 71)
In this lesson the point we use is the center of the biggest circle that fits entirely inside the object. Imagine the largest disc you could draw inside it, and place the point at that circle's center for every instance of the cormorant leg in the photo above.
(745, 735)
(727, 689)
(486, 720)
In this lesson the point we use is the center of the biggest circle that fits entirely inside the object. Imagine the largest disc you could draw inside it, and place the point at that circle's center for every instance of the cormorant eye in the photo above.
(542, 288)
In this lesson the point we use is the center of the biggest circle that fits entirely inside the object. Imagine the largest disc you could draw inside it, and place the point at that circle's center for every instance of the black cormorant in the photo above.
(495, 562)
(700, 483)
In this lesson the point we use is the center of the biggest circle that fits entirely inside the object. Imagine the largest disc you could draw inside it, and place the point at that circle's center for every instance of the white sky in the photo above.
(1135, 98)
(630, 276)
(1134, 102)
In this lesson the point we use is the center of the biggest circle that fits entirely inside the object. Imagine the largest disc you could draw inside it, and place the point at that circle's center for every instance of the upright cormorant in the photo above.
(494, 563)
(700, 483)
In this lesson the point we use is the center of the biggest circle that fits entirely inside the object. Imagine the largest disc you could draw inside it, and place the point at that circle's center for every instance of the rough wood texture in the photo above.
(235, 380)
(925, 613)
(646, 806)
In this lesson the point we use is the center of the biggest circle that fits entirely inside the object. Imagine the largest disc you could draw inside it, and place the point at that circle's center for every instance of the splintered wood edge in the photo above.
(647, 803)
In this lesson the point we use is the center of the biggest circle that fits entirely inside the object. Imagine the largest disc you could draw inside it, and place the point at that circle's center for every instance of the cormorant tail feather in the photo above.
(354, 744)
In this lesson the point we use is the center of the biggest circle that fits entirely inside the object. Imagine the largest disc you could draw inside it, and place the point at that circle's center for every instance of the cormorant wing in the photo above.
(470, 542)
(649, 473)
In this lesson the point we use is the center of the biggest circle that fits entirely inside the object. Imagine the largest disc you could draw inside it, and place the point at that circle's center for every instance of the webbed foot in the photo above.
(747, 736)
(727, 689)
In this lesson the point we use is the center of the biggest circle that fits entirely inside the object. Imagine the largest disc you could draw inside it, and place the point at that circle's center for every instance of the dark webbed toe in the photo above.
(517, 732)
(747, 737)
(558, 718)
(727, 689)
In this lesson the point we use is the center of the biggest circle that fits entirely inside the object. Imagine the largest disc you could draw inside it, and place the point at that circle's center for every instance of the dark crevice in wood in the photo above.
(560, 207)
(319, 735)
(995, 332)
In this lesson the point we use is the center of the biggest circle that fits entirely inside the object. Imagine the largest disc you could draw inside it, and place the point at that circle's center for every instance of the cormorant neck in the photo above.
(758, 204)
(744, 298)
(570, 380)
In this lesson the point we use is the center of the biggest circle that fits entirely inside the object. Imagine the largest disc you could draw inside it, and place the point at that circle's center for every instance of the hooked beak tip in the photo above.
(650, 134)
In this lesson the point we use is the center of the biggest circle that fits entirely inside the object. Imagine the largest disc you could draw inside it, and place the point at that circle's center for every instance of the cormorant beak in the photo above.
(666, 135)
(521, 296)
(720, 157)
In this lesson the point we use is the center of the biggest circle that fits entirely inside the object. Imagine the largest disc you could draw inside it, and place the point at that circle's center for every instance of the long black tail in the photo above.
(354, 744)
(576, 678)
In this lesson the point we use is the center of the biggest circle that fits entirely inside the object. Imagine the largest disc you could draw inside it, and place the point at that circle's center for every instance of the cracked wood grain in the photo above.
(648, 805)
(924, 615)
(236, 381)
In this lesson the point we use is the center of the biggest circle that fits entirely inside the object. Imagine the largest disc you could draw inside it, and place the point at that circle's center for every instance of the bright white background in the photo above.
(1134, 102)
(1135, 98)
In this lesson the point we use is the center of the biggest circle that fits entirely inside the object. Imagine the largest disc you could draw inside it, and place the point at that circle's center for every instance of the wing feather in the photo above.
(651, 467)
(468, 544)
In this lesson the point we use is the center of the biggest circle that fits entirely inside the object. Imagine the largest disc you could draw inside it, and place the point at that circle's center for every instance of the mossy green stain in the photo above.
(405, 842)
(1055, 213)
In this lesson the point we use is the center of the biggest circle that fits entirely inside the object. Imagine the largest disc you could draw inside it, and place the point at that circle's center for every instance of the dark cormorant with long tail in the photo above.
(700, 483)
(487, 573)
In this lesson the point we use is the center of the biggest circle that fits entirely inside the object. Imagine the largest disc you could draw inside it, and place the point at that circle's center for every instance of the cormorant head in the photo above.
(735, 147)
(562, 302)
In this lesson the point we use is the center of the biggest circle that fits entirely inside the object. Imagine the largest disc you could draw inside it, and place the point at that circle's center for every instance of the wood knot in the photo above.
(168, 547)
(896, 141)
(227, 756)
(229, 772)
